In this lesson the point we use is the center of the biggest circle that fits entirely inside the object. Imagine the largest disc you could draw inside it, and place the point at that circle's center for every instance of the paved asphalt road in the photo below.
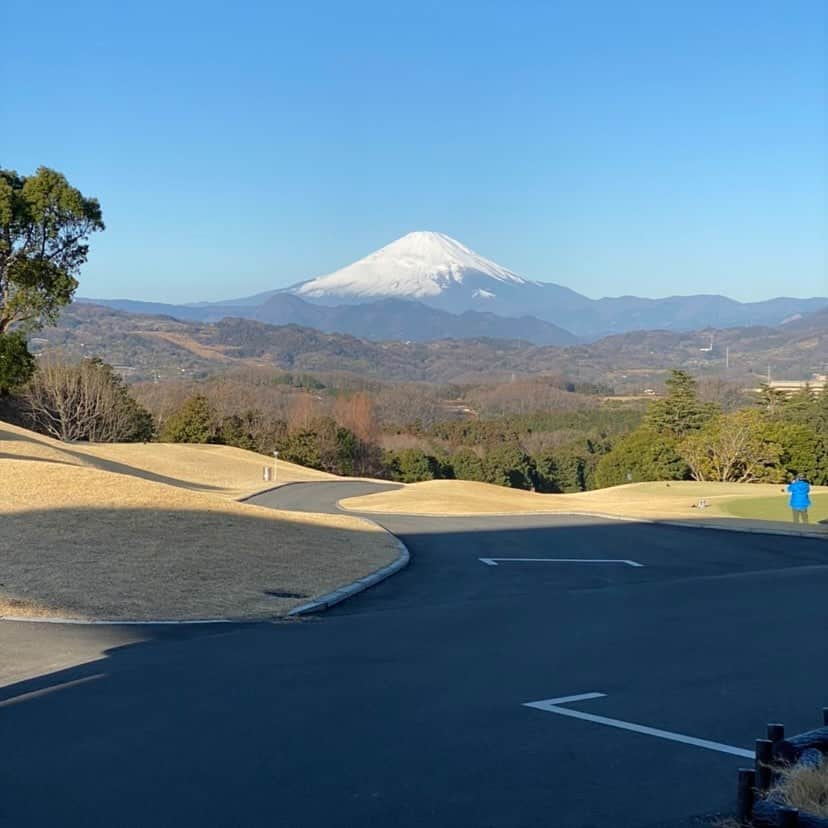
(405, 705)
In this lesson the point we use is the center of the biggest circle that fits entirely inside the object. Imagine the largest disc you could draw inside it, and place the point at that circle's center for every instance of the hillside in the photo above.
(649, 501)
(148, 346)
(152, 531)
(386, 319)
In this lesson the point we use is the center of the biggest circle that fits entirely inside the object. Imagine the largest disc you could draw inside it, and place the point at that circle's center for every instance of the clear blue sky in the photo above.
(613, 147)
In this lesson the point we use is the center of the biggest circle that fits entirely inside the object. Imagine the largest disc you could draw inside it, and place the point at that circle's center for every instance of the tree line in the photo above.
(684, 438)
(542, 434)
(678, 437)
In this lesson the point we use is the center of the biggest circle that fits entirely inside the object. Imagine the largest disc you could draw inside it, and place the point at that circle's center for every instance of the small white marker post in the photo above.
(275, 463)
(496, 561)
(554, 706)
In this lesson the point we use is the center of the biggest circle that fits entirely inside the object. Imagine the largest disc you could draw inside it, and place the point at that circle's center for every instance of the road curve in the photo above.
(405, 705)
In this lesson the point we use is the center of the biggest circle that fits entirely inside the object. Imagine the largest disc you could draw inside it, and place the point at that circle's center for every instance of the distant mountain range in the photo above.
(143, 347)
(384, 319)
(427, 286)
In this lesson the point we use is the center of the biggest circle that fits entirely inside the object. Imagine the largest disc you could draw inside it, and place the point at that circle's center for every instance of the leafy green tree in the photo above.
(550, 473)
(820, 415)
(323, 445)
(508, 465)
(799, 407)
(301, 446)
(16, 363)
(467, 465)
(139, 424)
(44, 224)
(194, 422)
(642, 455)
(412, 465)
(681, 411)
(234, 431)
(338, 447)
(803, 451)
(571, 468)
(567, 469)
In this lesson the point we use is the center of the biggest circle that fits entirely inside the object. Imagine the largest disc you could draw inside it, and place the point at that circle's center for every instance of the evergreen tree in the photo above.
(802, 451)
(641, 456)
(44, 224)
(16, 363)
(770, 399)
(800, 407)
(508, 465)
(194, 422)
(467, 465)
(412, 465)
(680, 412)
(233, 431)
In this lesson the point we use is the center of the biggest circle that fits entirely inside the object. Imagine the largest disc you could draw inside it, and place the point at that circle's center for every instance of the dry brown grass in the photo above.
(220, 470)
(672, 500)
(88, 532)
(804, 788)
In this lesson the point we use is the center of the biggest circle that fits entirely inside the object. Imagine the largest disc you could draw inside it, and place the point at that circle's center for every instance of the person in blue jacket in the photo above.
(799, 490)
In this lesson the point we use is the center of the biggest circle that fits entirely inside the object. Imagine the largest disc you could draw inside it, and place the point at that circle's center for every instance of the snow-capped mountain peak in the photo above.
(417, 266)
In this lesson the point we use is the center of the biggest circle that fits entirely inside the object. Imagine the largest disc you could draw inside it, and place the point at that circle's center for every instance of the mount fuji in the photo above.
(422, 265)
(427, 285)
(439, 271)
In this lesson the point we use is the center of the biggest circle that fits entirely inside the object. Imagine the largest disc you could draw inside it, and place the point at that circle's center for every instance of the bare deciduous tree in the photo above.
(356, 412)
(302, 412)
(732, 449)
(80, 402)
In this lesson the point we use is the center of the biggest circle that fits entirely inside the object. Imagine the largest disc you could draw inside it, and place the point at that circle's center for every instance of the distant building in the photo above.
(818, 383)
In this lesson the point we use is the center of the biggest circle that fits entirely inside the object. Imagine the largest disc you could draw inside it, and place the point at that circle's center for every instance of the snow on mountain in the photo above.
(417, 266)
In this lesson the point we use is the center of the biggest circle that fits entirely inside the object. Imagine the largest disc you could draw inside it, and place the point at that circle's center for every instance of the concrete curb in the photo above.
(819, 534)
(330, 599)
(84, 622)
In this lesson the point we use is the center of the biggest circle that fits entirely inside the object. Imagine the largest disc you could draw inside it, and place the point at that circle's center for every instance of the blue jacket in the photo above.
(799, 490)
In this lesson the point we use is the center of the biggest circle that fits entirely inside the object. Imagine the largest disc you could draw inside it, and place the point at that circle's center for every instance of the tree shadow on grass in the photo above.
(91, 461)
(186, 564)
(5, 456)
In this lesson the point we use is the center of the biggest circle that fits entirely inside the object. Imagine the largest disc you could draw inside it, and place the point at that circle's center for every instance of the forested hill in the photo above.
(151, 345)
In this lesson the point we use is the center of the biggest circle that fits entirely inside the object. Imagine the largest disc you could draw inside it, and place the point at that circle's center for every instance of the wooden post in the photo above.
(745, 795)
(764, 757)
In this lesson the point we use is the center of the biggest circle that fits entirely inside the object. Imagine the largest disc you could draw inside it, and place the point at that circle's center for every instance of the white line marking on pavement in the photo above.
(496, 561)
(552, 706)
(568, 699)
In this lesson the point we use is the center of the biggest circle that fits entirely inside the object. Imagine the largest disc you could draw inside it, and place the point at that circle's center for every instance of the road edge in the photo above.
(684, 524)
(330, 599)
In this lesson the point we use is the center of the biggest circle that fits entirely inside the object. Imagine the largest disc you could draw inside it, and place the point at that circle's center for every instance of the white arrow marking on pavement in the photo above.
(553, 706)
(496, 561)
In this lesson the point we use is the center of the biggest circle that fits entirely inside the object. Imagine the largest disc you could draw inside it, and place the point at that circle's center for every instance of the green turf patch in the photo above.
(774, 508)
